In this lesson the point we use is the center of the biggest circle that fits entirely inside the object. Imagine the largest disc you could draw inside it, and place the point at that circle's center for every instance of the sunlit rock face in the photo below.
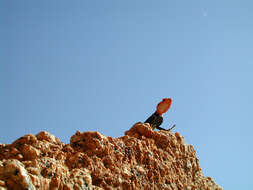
(142, 159)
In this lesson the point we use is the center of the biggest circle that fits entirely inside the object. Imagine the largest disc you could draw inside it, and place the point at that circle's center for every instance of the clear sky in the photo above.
(104, 65)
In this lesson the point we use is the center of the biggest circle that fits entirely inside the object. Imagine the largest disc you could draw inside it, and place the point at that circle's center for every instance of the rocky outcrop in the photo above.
(142, 159)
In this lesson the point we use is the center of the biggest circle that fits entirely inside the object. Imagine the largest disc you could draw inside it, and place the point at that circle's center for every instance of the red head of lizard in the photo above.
(163, 106)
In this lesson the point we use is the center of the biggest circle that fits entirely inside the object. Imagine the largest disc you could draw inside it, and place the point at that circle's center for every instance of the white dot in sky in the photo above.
(204, 13)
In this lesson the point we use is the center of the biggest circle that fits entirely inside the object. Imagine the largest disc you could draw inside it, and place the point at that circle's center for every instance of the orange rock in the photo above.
(45, 136)
(29, 152)
(15, 175)
(142, 159)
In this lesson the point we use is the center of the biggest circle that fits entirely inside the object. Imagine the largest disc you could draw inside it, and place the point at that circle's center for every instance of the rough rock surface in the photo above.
(142, 159)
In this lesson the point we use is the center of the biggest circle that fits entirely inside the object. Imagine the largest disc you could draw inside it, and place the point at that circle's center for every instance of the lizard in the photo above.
(156, 119)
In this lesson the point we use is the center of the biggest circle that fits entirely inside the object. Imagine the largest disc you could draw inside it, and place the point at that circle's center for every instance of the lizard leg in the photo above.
(160, 128)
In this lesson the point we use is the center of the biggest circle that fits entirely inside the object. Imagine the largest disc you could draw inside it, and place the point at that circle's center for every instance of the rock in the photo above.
(142, 159)
(29, 152)
(15, 175)
(45, 136)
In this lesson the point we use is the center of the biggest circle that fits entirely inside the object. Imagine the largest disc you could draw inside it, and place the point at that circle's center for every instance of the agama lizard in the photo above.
(156, 119)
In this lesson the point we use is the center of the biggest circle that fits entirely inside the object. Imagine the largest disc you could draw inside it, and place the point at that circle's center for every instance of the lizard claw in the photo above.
(171, 127)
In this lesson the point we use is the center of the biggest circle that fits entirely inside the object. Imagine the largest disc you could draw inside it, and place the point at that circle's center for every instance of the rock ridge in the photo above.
(141, 159)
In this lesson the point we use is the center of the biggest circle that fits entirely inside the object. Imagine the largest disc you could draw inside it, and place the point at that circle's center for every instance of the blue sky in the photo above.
(104, 65)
